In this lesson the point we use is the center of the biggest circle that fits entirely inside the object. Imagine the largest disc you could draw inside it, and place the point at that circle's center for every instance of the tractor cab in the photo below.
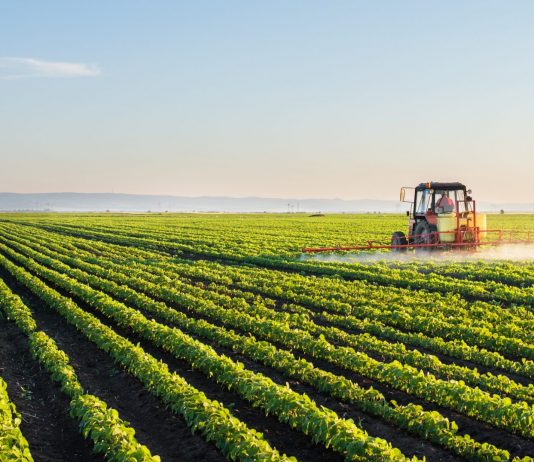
(431, 199)
(440, 213)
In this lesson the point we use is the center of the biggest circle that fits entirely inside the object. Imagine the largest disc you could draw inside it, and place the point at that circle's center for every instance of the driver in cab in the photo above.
(445, 204)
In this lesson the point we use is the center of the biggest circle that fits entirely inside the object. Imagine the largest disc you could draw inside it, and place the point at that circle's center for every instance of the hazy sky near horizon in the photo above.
(323, 99)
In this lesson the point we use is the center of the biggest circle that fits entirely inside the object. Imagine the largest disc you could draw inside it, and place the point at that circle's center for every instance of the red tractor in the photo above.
(440, 215)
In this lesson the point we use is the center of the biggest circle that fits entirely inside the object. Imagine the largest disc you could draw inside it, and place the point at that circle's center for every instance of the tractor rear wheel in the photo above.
(424, 233)
(398, 238)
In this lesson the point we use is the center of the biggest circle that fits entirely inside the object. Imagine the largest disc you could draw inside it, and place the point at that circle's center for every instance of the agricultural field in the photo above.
(211, 337)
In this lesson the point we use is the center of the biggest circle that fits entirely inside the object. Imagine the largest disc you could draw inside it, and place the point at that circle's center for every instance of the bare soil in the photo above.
(51, 433)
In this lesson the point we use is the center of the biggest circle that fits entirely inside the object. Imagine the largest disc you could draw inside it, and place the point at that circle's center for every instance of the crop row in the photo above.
(513, 322)
(488, 290)
(334, 326)
(111, 436)
(374, 320)
(363, 342)
(13, 444)
(222, 280)
(322, 424)
(337, 317)
(261, 234)
(246, 253)
(501, 412)
(210, 418)
(517, 274)
(295, 290)
(412, 418)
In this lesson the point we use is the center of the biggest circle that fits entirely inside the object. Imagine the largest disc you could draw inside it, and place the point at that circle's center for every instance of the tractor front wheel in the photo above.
(398, 238)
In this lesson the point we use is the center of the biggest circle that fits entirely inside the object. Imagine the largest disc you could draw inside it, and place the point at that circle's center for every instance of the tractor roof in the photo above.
(453, 186)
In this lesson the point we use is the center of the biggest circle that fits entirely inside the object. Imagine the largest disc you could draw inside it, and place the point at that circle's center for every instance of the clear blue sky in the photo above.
(347, 99)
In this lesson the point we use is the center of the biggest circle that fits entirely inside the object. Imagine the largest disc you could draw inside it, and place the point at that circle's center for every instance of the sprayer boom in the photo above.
(503, 237)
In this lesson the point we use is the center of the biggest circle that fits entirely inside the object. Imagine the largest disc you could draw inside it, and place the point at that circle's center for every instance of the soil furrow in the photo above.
(51, 432)
(280, 435)
(164, 433)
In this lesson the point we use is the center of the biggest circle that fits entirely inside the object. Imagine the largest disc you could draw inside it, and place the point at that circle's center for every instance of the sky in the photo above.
(279, 98)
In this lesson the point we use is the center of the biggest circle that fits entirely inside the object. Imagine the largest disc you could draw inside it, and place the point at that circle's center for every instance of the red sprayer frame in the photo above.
(372, 245)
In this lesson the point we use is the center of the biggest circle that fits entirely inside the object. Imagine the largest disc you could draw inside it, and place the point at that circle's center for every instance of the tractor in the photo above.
(440, 215)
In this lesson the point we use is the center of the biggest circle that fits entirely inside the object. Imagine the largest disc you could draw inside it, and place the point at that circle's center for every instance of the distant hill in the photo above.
(100, 202)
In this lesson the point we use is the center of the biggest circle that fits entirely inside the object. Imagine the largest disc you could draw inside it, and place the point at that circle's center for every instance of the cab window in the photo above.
(424, 199)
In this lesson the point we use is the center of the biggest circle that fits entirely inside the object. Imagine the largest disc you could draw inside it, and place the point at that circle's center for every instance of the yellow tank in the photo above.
(481, 224)
(468, 222)
(446, 222)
